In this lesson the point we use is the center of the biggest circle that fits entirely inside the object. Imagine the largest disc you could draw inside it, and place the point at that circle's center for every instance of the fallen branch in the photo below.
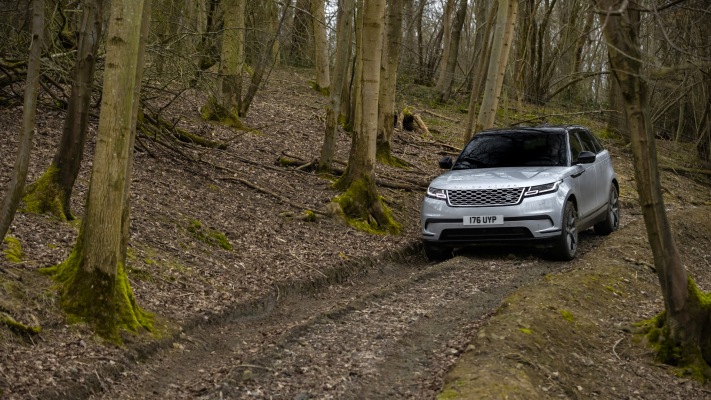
(421, 124)
(440, 116)
(273, 194)
(542, 117)
(685, 169)
(640, 263)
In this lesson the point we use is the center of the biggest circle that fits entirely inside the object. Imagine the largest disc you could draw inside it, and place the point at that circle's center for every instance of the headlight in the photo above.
(542, 189)
(440, 194)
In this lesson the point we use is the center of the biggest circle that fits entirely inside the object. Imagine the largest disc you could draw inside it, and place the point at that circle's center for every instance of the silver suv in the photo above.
(539, 185)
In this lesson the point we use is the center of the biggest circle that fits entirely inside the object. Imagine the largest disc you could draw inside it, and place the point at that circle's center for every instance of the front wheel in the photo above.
(566, 245)
(436, 252)
(612, 219)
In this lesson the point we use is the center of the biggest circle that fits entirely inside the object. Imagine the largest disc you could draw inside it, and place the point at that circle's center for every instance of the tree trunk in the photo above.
(685, 338)
(299, 53)
(344, 32)
(53, 191)
(361, 203)
(232, 59)
(16, 186)
(94, 286)
(479, 76)
(448, 27)
(497, 66)
(445, 86)
(264, 61)
(318, 22)
(388, 81)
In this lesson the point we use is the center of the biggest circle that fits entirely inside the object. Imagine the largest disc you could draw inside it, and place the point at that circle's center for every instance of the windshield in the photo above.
(514, 149)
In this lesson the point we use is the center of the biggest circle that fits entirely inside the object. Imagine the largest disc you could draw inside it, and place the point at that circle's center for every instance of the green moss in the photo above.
(213, 111)
(17, 327)
(526, 331)
(364, 210)
(209, 236)
(448, 394)
(13, 252)
(384, 156)
(43, 196)
(567, 315)
(309, 216)
(104, 301)
(325, 91)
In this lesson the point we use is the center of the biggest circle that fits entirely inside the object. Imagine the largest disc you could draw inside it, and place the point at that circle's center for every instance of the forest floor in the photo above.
(253, 298)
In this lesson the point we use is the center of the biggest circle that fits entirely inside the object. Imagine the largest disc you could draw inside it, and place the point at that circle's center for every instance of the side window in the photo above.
(589, 141)
(575, 146)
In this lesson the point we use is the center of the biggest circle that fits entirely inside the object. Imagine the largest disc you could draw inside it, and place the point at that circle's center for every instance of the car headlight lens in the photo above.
(440, 194)
(542, 189)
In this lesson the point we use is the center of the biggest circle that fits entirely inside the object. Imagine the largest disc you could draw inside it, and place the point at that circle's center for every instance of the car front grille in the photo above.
(484, 197)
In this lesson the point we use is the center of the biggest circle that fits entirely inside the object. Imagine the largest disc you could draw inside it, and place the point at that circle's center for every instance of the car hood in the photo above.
(493, 178)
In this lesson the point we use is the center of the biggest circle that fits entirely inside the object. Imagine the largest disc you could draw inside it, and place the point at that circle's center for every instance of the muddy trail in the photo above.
(389, 331)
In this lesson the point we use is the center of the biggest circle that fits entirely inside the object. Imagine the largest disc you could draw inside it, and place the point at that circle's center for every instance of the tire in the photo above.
(612, 219)
(566, 245)
(436, 252)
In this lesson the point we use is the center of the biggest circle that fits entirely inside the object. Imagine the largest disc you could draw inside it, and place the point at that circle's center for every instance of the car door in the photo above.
(601, 180)
(585, 180)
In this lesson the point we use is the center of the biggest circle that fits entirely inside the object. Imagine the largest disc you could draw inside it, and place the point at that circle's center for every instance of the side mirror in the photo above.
(586, 157)
(446, 163)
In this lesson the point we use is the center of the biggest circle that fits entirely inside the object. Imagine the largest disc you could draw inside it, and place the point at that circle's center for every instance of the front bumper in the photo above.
(534, 219)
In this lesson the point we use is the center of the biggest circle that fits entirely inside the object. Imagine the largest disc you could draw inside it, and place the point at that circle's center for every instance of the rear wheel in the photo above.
(566, 245)
(435, 252)
(612, 220)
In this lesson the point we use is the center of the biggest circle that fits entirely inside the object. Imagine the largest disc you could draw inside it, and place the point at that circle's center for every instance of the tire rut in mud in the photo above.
(385, 332)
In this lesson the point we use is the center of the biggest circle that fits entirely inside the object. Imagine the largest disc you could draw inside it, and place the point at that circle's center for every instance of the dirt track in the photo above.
(387, 333)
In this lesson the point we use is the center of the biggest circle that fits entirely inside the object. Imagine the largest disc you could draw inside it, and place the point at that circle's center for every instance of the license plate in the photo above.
(484, 220)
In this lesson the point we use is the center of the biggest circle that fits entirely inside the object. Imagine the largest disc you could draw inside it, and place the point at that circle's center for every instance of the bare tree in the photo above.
(344, 33)
(318, 23)
(94, 285)
(683, 336)
(501, 46)
(388, 81)
(361, 203)
(16, 186)
(450, 58)
(53, 190)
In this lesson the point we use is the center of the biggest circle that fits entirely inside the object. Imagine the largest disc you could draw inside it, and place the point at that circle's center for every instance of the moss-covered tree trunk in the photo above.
(344, 33)
(16, 186)
(388, 82)
(361, 202)
(94, 286)
(479, 75)
(685, 334)
(52, 192)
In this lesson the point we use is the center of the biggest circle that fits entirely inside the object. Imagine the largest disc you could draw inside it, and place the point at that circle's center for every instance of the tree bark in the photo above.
(450, 58)
(232, 59)
(686, 318)
(94, 284)
(318, 22)
(16, 186)
(361, 202)
(344, 33)
(446, 42)
(388, 80)
(497, 66)
(52, 192)
(479, 76)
